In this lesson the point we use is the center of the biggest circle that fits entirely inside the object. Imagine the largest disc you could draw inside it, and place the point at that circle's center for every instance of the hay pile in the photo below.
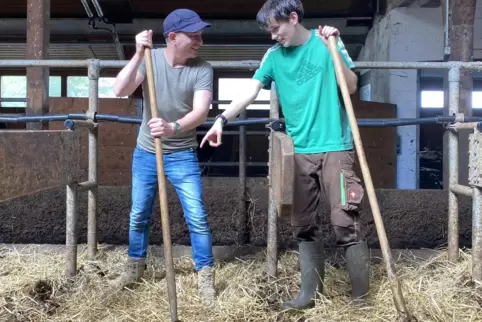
(33, 289)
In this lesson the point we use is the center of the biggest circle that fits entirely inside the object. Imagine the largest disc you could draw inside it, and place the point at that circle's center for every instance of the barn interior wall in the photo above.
(412, 218)
(408, 34)
(117, 141)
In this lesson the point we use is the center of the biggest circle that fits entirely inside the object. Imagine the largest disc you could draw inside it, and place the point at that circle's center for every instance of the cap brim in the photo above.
(195, 27)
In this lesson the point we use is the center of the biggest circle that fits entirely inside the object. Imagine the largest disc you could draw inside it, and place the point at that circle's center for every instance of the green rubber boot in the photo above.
(312, 268)
(358, 263)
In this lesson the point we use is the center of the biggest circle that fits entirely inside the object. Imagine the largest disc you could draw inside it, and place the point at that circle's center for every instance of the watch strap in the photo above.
(223, 118)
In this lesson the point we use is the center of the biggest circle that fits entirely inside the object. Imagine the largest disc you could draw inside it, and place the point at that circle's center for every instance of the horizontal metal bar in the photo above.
(115, 118)
(232, 164)
(118, 118)
(73, 124)
(237, 132)
(467, 126)
(461, 190)
(412, 121)
(86, 185)
(51, 63)
(418, 65)
(241, 64)
(251, 121)
(43, 118)
(12, 99)
(12, 115)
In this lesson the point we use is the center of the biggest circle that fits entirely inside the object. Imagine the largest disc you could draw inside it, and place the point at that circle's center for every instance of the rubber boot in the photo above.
(133, 272)
(358, 261)
(312, 269)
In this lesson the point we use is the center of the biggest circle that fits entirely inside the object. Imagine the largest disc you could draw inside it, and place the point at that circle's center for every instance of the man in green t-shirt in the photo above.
(303, 71)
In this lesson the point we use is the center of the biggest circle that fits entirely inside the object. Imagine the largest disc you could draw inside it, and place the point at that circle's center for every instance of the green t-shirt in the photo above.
(306, 85)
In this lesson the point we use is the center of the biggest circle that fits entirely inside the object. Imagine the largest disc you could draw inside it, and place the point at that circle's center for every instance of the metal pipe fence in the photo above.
(454, 188)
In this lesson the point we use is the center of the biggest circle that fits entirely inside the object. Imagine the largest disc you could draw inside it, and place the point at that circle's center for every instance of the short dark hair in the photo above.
(279, 10)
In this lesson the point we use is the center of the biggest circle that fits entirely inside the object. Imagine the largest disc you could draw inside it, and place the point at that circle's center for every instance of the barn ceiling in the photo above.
(233, 36)
(208, 9)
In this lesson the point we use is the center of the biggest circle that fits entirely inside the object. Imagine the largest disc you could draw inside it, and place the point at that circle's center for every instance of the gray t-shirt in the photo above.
(175, 89)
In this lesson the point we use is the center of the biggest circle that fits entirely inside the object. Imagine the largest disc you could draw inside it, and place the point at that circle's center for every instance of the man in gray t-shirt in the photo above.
(175, 91)
(183, 84)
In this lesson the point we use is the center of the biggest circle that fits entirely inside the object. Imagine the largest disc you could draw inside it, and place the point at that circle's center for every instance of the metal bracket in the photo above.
(276, 126)
(93, 70)
(475, 159)
(459, 118)
(91, 116)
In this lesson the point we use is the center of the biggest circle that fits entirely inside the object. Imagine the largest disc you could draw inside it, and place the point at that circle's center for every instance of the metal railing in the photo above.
(454, 188)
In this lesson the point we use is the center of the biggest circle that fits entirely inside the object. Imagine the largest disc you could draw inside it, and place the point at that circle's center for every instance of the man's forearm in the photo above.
(192, 120)
(127, 76)
(237, 106)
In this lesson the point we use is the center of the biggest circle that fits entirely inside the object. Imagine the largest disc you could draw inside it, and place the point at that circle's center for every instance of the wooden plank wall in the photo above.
(117, 141)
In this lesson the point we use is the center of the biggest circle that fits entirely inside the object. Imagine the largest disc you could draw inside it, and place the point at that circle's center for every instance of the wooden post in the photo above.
(38, 38)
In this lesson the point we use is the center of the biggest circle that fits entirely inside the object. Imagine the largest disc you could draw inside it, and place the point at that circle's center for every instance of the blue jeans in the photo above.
(182, 170)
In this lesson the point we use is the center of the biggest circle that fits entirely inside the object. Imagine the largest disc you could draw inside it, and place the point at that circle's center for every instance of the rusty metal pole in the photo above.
(474, 164)
(38, 34)
(93, 74)
(272, 238)
(382, 236)
(71, 229)
(477, 235)
(453, 169)
(242, 218)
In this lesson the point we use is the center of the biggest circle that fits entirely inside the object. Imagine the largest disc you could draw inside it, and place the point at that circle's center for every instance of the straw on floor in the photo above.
(33, 288)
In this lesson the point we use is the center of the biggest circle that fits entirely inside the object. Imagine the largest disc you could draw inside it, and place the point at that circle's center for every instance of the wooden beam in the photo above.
(392, 4)
(129, 39)
(430, 3)
(38, 16)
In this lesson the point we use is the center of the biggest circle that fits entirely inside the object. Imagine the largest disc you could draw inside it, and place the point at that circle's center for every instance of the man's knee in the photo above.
(140, 218)
(348, 229)
(306, 233)
(197, 221)
(305, 226)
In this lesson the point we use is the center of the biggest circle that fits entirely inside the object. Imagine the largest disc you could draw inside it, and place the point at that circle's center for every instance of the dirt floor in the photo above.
(34, 289)
(412, 218)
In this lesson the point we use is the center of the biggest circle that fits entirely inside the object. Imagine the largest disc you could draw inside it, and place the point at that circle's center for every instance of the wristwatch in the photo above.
(222, 117)
(176, 126)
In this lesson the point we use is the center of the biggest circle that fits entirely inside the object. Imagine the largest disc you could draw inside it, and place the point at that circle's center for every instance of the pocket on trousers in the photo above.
(351, 191)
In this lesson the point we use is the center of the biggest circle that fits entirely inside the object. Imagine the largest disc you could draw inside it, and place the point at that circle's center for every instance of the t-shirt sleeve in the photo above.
(265, 72)
(344, 54)
(204, 80)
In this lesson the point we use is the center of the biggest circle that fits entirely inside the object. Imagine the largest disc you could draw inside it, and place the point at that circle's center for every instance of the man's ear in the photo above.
(294, 18)
(171, 36)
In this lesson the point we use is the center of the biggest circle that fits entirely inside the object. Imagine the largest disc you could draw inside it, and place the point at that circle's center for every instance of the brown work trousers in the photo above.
(329, 176)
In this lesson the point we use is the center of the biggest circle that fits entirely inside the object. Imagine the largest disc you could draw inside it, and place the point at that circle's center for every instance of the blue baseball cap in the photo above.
(183, 20)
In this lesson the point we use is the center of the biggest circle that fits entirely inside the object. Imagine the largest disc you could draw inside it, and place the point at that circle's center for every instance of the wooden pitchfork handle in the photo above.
(382, 236)
(166, 234)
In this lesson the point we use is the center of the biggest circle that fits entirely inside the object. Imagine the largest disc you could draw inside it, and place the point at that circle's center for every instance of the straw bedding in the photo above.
(33, 288)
